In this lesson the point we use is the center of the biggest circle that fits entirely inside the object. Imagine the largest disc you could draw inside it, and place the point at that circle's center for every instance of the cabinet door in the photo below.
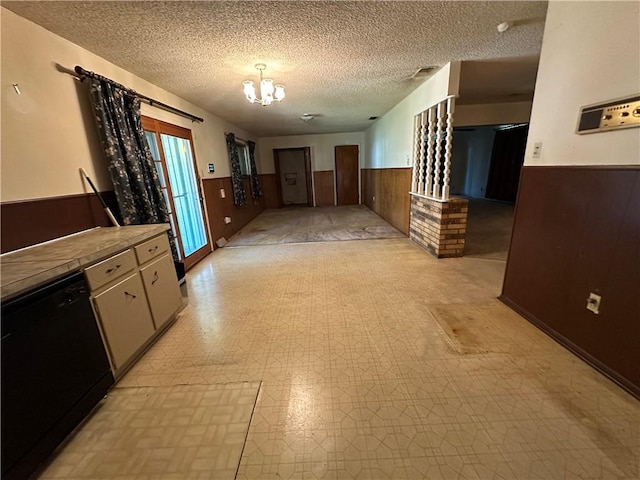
(163, 291)
(125, 318)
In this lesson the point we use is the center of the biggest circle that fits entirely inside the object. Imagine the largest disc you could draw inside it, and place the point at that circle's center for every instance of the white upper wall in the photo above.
(389, 141)
(590, 54)
(491, 114)
(43, 148)
(322, 148)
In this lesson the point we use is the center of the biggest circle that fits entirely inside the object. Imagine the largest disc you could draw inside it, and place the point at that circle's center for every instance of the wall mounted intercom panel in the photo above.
(611, 115)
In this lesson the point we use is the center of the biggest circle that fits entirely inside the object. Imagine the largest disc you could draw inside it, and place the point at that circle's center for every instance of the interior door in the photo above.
(347, 174)
(293, 176)
(172, 150)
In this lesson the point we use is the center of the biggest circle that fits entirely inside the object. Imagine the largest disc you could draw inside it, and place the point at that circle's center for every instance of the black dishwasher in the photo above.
(54, 371)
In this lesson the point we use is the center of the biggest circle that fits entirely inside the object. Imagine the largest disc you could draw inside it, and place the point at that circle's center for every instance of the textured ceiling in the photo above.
(341, 61)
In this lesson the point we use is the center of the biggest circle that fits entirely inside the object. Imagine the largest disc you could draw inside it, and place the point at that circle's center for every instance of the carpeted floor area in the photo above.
(320, 224)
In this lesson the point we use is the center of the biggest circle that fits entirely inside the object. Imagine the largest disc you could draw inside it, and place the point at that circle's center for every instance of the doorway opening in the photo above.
(293, 176)
(485, 167)
(347, 173)
(175, 160)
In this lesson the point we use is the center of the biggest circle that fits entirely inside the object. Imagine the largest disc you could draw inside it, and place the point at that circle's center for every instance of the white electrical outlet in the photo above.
(593, 303)
(374, 198)
(227, 220)
(537, 148)
(222, 193)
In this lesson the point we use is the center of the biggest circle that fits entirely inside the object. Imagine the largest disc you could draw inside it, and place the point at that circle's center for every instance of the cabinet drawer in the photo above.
(110, 269)
(125, 318)
(152, 248)
(163, 291)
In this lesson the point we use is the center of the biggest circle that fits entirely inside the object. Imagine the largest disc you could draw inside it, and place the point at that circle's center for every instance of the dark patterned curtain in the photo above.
(239, 197)
(134, 176)
(256, 191)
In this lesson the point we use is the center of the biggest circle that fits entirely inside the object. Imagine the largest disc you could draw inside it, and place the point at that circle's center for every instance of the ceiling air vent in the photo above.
(423, 72)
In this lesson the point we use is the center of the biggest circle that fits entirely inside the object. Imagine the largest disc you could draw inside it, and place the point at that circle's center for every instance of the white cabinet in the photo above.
(163, 292)
(134, 300)
(110, 269)
(125, 318)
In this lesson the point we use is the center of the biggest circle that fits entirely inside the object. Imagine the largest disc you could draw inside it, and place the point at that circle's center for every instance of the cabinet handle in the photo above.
(155, 277)
(130, 295)
(151, 250)
(112, 269)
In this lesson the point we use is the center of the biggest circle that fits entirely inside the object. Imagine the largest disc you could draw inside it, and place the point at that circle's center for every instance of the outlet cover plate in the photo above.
(593, 303)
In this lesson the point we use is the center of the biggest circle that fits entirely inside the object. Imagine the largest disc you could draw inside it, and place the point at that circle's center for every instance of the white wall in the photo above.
(389, 141)
(492, 114)
(590, 53)
(48, 132)
(322, 148)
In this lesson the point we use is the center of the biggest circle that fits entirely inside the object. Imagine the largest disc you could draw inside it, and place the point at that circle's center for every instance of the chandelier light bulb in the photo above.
(249, 90)
(268, 91)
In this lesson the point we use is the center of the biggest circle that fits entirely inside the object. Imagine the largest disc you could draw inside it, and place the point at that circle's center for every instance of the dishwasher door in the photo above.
(54, 371)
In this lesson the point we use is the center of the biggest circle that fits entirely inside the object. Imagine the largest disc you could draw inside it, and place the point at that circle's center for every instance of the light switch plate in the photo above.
(537, 147)
(211, 168)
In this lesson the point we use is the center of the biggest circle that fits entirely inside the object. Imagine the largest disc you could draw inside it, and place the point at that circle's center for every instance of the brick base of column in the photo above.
(439, 227)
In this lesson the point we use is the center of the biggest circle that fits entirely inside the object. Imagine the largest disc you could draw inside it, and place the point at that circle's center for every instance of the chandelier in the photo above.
(268, 91)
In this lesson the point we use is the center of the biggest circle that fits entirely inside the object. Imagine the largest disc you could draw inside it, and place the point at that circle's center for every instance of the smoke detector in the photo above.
(306, 117)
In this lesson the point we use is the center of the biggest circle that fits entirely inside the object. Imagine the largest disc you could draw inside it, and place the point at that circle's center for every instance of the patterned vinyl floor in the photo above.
(376, 361)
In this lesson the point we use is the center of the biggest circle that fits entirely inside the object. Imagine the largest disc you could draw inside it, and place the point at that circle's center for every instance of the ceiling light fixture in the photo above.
(306, 117)
(503, 27)
(268, 91)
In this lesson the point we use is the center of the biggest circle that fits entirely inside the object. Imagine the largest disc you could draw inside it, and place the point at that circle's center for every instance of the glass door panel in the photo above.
(184, 191)
(155, 154)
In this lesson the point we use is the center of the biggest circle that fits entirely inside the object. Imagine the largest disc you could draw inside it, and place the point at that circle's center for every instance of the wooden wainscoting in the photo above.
(269, 184)
(575, 232)
(390, 187)
(28, 222)
(324, 183)
(218, 207)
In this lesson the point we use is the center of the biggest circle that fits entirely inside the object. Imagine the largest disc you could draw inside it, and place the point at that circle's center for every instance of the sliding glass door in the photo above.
(172, 150)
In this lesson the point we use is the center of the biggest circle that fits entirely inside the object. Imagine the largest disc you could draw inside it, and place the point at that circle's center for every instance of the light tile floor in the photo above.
(379, 361)
(153, 433)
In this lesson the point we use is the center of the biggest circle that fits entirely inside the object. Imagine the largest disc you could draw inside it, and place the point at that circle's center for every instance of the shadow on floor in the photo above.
(489, 227)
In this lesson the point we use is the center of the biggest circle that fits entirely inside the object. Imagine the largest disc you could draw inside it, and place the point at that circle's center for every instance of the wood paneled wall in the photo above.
(323, 184)
(269, 185)
(577, 230)
(29, 222)
(390, 187)
(218, 207)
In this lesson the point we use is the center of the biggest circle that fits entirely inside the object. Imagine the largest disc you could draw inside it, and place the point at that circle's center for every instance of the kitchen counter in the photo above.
(33, 266)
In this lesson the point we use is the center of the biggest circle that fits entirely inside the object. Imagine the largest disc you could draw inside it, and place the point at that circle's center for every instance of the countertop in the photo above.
(30, 267)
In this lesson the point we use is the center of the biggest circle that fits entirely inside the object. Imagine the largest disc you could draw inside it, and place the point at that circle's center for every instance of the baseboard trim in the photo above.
(608, 372)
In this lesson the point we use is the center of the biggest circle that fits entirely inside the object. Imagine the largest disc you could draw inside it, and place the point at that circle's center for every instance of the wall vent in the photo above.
(423, 72)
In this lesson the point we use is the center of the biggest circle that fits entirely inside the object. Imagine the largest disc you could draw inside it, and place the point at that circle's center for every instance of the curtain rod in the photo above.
(154, 103)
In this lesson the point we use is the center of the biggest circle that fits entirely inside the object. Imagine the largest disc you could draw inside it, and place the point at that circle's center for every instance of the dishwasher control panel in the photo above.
(611, 115)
